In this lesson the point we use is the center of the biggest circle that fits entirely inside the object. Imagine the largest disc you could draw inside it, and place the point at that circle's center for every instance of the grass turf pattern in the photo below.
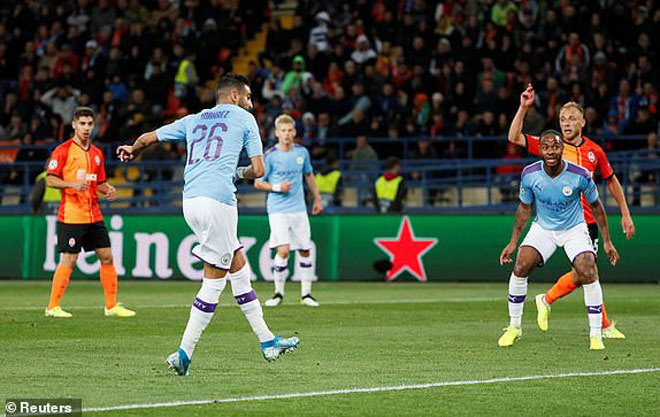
(365, 335)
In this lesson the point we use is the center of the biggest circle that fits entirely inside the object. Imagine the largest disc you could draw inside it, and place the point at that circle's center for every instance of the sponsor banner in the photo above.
(354, 247)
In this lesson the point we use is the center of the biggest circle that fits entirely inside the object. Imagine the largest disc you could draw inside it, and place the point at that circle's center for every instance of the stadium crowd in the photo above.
(416, 68)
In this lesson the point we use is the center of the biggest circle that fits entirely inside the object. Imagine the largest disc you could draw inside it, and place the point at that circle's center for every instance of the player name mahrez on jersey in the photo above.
(215, 115)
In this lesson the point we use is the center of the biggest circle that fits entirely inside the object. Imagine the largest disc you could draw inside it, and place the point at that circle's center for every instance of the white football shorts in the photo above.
(215, 224)
(290, 229)
(575, 241)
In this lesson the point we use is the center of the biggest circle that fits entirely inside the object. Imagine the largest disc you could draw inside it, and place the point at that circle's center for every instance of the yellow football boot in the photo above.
(511, 334)
(119, 311)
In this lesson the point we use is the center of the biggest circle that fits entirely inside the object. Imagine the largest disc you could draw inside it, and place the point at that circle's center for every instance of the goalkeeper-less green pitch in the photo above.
(370, 349)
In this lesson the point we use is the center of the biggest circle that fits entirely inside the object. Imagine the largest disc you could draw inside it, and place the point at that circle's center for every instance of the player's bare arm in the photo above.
(523, 214)
(601, 219)
(317, 207)
(108, 190)
(515, 130)
(254, 170)
(626, 220)
(129, 152)
(56, 182)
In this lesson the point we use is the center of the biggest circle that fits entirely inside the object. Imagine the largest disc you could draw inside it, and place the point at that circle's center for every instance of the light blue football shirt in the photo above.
(214, 140)
(287, 166)
(557, 200)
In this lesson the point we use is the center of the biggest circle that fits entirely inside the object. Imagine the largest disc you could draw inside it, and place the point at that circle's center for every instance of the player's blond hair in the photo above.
(574, 105)
(284, 119)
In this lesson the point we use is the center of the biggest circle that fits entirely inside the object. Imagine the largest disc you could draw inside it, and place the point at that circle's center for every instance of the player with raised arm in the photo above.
(78, 169)
(584, 152)
(554, 187)
(214, 140)
(286, 165)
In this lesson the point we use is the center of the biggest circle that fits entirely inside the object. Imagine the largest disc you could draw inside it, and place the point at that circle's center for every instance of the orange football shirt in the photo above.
(588, 155)
(71, 162)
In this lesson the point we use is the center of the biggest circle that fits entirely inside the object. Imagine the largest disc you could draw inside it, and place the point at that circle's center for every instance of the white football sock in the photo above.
(280, 273)
(306, 272)
(593, 299)
(517, 294)
(249, 303)
(201, 312)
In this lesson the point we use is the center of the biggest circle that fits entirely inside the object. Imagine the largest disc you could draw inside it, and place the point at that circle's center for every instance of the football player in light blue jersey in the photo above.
(286, 166)
(554, 187)
(214, 140)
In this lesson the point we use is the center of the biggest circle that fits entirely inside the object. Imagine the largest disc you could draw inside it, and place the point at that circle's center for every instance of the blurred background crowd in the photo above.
(362, 69)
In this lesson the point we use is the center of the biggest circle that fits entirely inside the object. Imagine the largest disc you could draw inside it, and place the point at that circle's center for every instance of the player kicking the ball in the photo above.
(286, 165)
(584, 152)
(214, 140)
(554, 187)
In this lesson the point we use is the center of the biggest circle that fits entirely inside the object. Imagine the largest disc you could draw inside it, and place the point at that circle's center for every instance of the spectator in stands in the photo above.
(362, 155)
(309, 128)
(63, 99)
(295, 77)
(390, 188)
(357, 124)
(186, 78)
(646, 177)
(318, 36)
(44, 199)
(624, 105)
(363, 52)
(534, 123)
(360, 103)
(500, 12)
(330, 183)
(16, 129)
(644, 123)
(573, 56)
(610, 125)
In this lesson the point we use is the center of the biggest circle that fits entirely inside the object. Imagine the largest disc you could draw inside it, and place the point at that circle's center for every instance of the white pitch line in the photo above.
(327, 303)
(368, 390)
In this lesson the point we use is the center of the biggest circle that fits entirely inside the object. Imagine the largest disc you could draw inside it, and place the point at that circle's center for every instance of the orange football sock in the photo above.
(109, 282)
(562, 287)
(606, 321)
(60, 281)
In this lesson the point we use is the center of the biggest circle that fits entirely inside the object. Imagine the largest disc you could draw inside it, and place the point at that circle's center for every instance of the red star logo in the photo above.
(405, 251)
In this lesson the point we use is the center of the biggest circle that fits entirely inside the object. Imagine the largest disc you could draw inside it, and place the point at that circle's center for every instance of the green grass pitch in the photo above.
(365, 335)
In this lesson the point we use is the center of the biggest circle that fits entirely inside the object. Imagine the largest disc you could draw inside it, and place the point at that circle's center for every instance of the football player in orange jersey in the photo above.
(584, 152)
(77, 168)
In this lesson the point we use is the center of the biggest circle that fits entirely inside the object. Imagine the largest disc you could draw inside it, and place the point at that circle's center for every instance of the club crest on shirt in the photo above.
(72, 242)
(225, 259)
(591, 157)
(567, 191)
(52, 164)
(97, 160)
(300, 160)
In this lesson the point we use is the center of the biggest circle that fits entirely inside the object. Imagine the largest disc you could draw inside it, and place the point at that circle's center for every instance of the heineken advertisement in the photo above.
(416, 247)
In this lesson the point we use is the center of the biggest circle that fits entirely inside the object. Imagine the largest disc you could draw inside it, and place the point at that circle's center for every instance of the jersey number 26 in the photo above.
(213, 137)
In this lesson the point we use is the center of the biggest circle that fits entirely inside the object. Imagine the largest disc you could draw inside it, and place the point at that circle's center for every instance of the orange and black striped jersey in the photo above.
(71, 162)
(588, 155)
